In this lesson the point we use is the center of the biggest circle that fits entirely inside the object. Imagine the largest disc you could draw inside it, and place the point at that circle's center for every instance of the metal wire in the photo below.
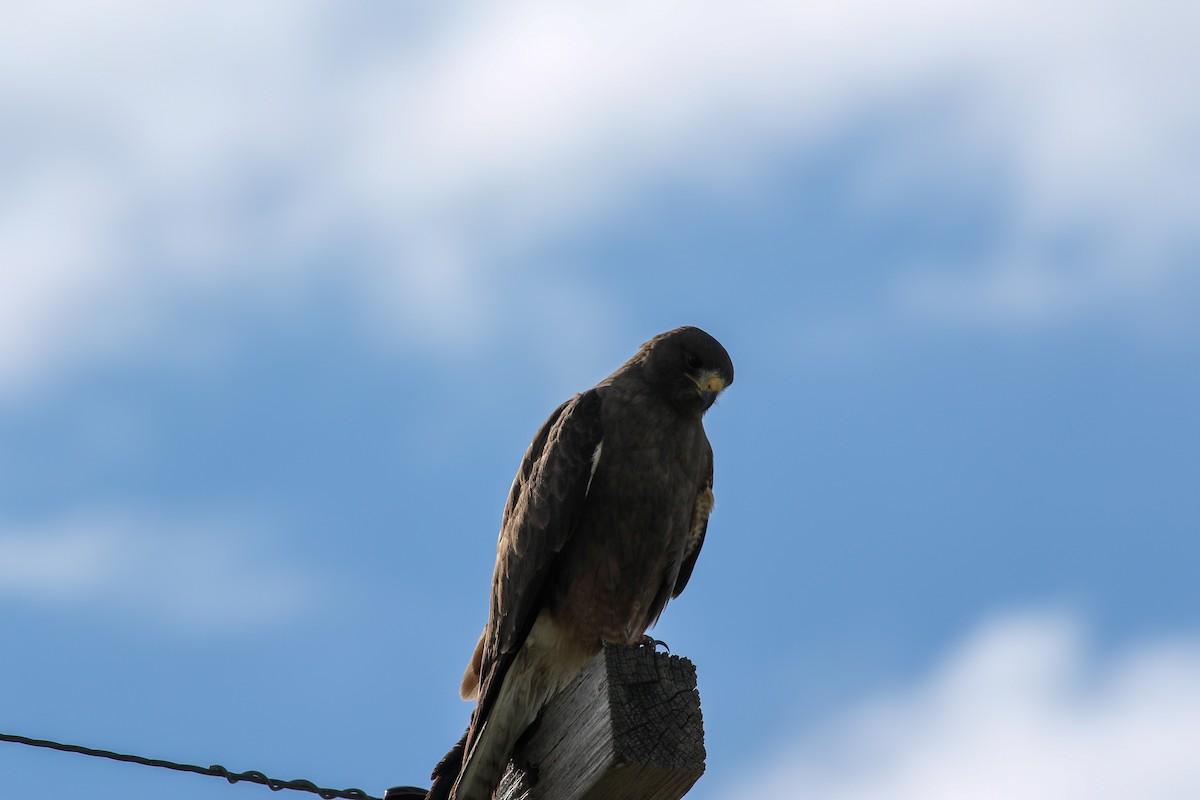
(216, 770)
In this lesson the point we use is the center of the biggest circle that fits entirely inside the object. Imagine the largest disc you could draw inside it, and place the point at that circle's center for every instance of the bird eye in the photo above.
(692, 362)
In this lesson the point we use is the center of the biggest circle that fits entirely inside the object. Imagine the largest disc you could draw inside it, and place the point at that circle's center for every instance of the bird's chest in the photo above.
(630, 537)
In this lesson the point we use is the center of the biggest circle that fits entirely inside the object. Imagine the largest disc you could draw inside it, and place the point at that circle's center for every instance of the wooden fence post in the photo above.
(628, 728)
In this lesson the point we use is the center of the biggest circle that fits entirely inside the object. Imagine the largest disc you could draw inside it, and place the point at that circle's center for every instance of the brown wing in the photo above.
(543, 506)
(700, 512)
(545, 502)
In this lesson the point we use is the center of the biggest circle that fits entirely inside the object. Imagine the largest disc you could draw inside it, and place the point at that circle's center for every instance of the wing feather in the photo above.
(700, 511)
(544, 504)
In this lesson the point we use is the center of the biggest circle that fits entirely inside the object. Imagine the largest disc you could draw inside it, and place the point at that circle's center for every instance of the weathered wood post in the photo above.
(628, 728)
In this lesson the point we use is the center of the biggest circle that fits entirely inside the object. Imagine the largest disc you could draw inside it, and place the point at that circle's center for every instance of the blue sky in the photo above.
(286, 288)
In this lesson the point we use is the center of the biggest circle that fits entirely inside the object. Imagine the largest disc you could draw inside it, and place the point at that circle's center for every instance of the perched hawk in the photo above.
(603, 525)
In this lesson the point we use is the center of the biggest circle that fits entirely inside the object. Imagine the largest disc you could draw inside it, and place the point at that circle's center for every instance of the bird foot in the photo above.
(654, 644)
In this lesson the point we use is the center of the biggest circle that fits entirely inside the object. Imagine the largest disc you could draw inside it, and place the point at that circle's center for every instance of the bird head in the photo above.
(689, 367)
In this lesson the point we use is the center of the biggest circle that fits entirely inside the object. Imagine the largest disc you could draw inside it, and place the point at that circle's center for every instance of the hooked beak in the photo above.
(709, 385)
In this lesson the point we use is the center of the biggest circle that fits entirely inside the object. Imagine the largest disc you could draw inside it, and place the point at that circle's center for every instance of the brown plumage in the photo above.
(602, 527)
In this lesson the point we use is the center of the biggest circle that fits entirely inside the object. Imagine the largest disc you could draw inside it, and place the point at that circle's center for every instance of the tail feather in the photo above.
(525, 690)
(513, 690)
(547, 661)
(447, 771)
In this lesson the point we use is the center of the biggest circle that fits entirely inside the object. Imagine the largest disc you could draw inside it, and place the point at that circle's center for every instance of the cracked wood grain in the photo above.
(628, 728)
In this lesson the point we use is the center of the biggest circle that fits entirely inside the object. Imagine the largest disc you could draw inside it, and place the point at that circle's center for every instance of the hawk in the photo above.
(602, 527)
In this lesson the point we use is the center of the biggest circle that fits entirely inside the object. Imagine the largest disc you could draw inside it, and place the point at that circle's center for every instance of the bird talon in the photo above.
(654, 644)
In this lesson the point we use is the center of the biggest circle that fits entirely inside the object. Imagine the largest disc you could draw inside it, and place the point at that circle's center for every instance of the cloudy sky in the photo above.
(286, 288)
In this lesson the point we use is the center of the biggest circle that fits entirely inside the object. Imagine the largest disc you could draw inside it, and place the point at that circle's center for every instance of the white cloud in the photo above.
(143, 569)
(152, 151)
(1020, 709)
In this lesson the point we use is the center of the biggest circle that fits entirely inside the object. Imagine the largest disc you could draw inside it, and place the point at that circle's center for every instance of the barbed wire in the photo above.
(216, 770)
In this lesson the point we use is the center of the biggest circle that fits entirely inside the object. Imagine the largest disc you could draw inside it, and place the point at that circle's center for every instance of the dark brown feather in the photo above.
(539, 519)
(699, 528)
(546, 499)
